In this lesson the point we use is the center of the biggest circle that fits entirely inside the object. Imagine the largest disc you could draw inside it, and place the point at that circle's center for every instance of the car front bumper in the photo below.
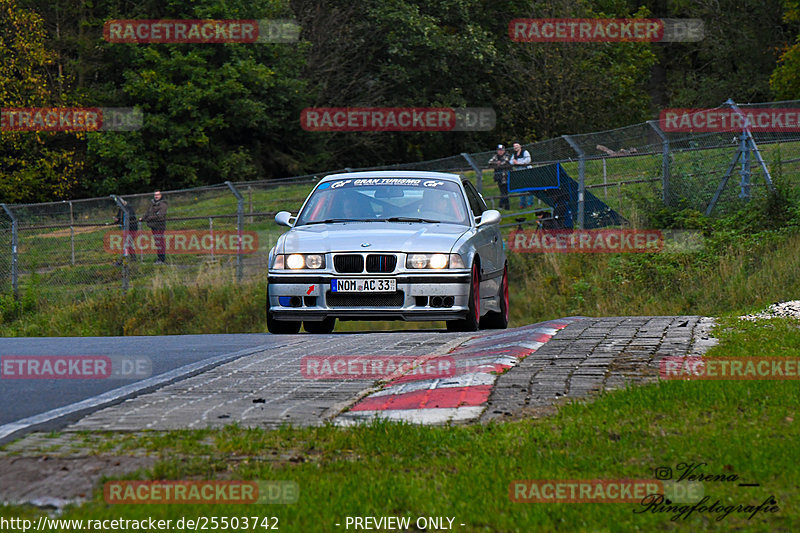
(419, 296)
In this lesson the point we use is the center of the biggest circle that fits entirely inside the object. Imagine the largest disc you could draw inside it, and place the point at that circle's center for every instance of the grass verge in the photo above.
(738, 270)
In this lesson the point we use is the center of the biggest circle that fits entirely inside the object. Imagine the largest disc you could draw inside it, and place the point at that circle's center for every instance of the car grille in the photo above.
(389, 299)
(381, 263)
(354, 263)
(349, 264)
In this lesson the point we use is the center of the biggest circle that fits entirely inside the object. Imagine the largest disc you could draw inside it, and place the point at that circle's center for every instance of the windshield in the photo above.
(385, 200)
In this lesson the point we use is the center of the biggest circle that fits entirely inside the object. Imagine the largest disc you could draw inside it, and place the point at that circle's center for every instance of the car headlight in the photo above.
(314, 261)
(295, 262)
(299, 261)
(435, 261)
(438, 261)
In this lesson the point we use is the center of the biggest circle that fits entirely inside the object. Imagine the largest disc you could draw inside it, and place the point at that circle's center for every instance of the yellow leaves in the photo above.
(34, 168)
(22, 75)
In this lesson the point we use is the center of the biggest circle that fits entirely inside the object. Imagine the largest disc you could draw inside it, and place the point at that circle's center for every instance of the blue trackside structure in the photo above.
(552, 185)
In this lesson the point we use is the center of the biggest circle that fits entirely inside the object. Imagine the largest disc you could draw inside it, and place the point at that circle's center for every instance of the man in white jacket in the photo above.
(521, 159)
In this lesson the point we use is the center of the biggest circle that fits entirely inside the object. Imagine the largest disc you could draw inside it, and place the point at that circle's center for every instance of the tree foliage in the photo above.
(215, 112)
(741, 44)
(549, 89)
(33, 165)
(785, 79)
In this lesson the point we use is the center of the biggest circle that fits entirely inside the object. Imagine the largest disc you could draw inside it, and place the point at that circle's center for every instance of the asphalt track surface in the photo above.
(171, 357)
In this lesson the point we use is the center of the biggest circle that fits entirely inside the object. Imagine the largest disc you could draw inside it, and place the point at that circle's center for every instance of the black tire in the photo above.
(473, 319)
(280, 327)
(320, 327)
(494, 319)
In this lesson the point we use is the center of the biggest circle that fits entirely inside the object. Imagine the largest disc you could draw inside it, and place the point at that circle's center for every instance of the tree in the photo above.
(212, 112)
(458, 53)
(398, 53)
(735, 58)
(549, 89)
(34, 166)
(785, 79)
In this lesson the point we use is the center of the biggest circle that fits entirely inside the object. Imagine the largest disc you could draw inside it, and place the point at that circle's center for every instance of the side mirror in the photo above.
(284, 218)
(492, 216)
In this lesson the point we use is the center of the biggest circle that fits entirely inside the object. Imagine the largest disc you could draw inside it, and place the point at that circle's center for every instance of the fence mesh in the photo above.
(5, 255)
(70, 246)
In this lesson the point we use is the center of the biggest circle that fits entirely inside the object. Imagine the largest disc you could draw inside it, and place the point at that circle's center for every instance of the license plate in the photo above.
(363, 285)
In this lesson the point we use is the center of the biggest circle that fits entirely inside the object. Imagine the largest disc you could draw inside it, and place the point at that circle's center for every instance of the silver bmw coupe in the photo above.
(389, 245)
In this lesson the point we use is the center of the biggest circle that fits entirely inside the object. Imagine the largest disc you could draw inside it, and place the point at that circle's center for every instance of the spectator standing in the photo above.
(156, 219)
(522, 159)
(501, 163)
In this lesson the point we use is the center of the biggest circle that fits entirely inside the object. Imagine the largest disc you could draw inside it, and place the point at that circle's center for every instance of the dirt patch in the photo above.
(57, 481)
(61, 233)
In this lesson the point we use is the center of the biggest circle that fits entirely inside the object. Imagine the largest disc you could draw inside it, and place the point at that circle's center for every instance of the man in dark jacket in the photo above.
(156, 218)
(501, 163)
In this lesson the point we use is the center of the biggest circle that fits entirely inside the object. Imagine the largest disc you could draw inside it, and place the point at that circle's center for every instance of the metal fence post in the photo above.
(751, 144)
(250, 203)
(665, 193)
(71, 234)
(239, 228)
(123, 205)
(581, 179)
(477, 169)
(14, 272)
(211, 232)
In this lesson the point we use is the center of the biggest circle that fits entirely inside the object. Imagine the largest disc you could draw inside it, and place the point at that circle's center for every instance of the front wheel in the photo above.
(473, 318)
(494, 319)
(280, 327)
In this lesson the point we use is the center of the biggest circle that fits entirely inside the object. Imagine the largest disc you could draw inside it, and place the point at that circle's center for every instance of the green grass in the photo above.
(49, 252)
(166, 305)
(734, 427)
(748, 261)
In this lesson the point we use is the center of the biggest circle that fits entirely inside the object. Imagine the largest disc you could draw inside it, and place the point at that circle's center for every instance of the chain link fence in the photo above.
(224, 232)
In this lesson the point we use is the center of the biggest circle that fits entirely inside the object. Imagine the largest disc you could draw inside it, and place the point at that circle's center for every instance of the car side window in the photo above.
(475, 201)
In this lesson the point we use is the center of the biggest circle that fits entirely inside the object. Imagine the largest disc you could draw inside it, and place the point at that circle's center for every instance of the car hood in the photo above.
(382, 237)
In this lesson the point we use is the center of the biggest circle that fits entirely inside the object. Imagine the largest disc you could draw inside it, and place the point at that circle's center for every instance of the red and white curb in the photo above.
(461, 397)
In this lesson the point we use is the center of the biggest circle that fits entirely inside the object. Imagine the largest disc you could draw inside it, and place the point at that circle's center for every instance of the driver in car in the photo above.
(351, 207)
(434, 206)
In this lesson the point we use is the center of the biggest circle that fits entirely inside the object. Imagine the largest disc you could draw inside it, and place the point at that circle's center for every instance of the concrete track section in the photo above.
(267, 388)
